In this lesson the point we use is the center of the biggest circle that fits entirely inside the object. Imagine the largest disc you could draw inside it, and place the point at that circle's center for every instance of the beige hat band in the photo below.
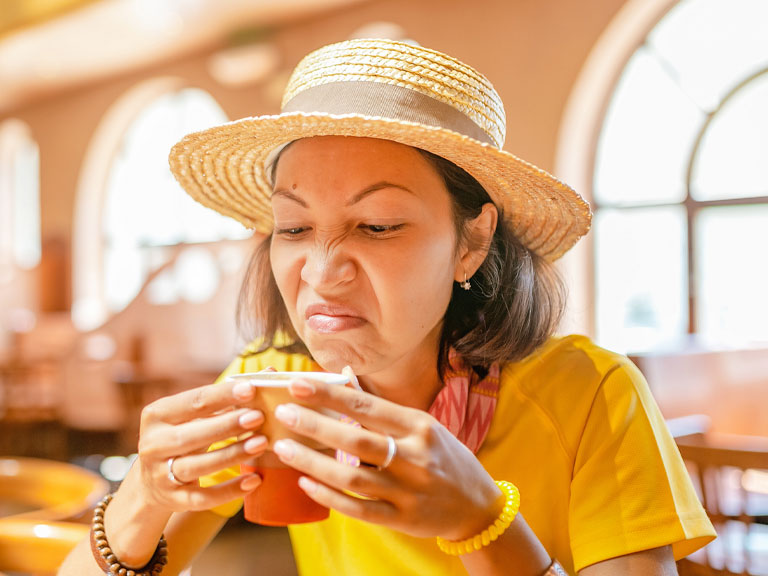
(374, 88)
(380, 100)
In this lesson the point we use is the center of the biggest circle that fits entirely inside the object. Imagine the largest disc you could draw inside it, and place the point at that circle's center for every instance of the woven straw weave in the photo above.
(426, 71)
(225, 168)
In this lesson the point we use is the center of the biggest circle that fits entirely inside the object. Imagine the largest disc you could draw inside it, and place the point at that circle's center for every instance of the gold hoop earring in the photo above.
(466, 285)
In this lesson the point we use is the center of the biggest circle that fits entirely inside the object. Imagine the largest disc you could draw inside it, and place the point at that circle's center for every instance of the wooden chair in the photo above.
(730, 473)
(38, 489)
(30, 546)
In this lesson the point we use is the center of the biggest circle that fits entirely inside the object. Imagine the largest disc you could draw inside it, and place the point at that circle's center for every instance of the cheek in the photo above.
(419, 285)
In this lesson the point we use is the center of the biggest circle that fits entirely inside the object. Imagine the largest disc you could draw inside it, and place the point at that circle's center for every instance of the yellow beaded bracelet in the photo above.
(511, 506)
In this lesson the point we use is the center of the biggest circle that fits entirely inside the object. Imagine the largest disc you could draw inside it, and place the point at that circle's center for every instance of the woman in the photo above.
(403, 243)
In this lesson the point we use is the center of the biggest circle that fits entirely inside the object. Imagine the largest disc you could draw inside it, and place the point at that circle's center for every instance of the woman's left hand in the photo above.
(434, 485)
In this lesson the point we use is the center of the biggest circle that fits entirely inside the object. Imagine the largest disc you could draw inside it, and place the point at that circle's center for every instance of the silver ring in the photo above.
(391, 451)
(171, 476)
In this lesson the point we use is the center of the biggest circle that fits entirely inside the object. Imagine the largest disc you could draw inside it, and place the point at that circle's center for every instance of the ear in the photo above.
(480, 232)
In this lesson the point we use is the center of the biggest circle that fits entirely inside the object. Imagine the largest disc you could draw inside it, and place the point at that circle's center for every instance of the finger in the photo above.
(188, 437)
(191, 467)
(372, 412)
(374, 511)
(194, 497)
(369, 446)
(199, 402)
(365, 481)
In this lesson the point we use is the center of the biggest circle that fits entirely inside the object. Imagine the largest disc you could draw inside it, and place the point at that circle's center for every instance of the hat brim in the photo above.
(224, 168)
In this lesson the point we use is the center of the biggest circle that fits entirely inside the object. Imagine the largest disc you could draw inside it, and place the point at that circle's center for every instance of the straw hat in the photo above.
(394, 91)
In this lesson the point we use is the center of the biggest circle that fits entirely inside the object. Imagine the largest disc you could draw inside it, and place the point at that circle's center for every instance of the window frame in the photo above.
(577, 148)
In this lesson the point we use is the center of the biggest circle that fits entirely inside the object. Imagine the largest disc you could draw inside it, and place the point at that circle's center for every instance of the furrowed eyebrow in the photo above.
(283, 193)
(375, 188)
(290, 196)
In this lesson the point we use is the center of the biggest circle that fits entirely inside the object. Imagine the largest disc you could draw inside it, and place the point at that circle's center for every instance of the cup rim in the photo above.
(283, 379)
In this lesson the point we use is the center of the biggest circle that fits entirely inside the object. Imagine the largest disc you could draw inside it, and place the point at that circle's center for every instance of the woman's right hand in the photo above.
(179, 427)
(175, 434)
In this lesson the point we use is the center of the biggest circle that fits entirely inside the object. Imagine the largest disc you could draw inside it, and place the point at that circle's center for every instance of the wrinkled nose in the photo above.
(326, 269)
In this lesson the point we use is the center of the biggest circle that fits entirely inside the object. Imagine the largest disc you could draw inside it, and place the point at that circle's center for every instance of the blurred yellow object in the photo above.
(32, 488)
(37, 547)
(18, 14)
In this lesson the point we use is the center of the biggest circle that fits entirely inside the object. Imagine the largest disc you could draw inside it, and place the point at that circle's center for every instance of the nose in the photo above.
(326, 268)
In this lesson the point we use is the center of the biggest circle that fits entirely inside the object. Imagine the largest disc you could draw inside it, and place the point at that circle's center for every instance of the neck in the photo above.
(411, 382)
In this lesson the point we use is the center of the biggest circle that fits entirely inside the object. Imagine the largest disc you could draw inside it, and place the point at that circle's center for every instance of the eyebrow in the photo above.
(365, 192)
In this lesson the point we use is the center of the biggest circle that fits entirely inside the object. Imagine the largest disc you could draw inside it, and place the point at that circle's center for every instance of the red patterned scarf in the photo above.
(465, 405)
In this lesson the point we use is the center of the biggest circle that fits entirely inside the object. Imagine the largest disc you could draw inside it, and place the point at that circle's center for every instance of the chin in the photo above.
(333, 355)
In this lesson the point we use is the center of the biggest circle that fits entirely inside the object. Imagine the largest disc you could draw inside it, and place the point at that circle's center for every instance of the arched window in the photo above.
(143, 211)
(680, 179)
(19, 198)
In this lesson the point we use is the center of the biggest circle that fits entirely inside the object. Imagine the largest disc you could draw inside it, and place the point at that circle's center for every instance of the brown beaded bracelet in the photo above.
(107, 560)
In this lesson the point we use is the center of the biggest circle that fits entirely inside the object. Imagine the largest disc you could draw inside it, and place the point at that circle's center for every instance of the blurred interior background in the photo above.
(115, 288)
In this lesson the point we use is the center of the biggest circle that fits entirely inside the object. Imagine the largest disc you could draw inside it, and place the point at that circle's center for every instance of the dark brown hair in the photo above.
(515, 303)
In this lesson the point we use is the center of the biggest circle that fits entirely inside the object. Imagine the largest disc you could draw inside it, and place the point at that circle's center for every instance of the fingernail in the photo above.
(309, 486)
(287, 414)
(250, 482)
(251, 419)
(255, 444)
(284, 449)
(242, 391)
(353, 381)
(302, 388)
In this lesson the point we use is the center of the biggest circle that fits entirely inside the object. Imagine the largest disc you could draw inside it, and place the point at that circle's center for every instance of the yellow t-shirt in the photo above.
(577, 430)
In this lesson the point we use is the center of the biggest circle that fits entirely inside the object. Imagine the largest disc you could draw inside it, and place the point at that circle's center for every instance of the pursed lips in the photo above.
(329, 318)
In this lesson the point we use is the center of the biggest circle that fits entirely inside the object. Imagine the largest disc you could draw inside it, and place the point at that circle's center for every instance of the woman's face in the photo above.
(363, 251)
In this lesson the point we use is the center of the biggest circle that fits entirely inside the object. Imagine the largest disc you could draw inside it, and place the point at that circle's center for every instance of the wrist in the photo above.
(133, 523)
(107, 560)
(509, 510)
(489, 504)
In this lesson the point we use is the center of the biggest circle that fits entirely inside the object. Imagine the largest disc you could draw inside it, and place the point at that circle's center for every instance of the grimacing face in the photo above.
(363, 251)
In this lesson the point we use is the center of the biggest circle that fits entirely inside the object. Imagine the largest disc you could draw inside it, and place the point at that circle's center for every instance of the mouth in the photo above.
(331, 319)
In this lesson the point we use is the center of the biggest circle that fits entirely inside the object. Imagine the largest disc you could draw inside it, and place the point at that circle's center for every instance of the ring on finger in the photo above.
(391, 452)
(171, 476)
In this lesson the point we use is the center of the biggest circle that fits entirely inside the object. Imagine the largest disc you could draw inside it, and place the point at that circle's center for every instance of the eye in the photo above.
(380, 229)
(293, 232)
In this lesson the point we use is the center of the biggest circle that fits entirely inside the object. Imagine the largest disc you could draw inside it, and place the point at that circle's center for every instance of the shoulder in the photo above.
(566, 365)
(563, 380)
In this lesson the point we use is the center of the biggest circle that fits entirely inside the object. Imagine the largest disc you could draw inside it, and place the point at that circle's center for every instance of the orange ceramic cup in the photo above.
(279, 501)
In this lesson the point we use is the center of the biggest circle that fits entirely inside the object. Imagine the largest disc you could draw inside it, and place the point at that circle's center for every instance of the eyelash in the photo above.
(380, 229)
(370, 229)
(291, 232)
